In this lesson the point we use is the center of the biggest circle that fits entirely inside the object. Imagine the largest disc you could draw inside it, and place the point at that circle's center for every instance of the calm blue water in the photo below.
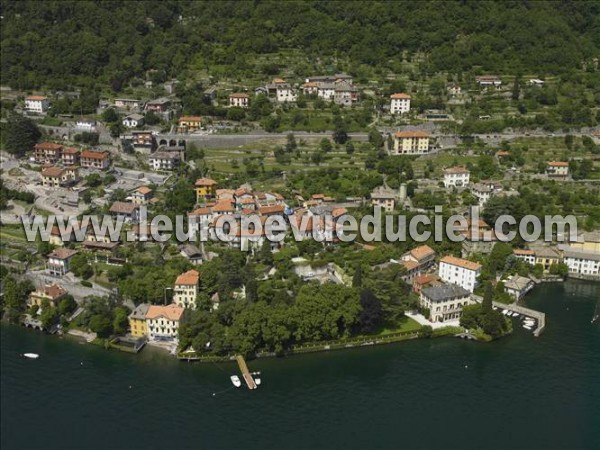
(519, 393)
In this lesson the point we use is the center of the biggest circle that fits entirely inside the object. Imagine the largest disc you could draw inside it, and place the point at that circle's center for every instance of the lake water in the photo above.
(519, 393)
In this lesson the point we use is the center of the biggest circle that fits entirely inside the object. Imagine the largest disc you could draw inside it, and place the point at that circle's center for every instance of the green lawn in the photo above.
(403, 325)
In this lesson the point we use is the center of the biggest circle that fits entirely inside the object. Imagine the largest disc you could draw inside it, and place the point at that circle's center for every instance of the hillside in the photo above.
(61, 44)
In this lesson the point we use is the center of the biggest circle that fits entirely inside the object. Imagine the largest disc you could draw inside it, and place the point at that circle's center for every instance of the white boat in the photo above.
(527, 327)
(31, 355)
(236, 380)
(516, 314)
(257, 381)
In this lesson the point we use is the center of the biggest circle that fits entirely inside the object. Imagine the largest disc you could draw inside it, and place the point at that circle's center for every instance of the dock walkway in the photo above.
(245, 372)
(540, 317)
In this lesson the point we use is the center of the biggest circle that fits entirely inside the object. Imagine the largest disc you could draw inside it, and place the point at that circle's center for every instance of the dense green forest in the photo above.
(58, 44)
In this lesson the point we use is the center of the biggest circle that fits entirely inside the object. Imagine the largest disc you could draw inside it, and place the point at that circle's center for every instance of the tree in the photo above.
(116, 129)
(375, 138)
(93, 180)
(49, 316)
(151, 118)
(371, 316)
(357, 278)
(291, 144)
(20, 135)
(349, 148)
(488, 297)
(120, 320)
(109, 115)
(325, 145)
(569, 141)
(100, 325)
(340, 134)
(516, 88)
(67, 305)
(80, 266)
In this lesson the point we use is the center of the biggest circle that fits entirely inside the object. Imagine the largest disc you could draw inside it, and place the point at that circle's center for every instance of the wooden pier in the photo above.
(540, 317)
(245, 372)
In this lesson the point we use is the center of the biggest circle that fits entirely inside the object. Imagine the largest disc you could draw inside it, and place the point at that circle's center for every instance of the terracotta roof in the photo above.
(205, 182)
(412, 134)
(190, 119)
(52, 171)
(48, 146)
(204, 211)
(62, 253)
(522, 251)
(425, 279)
(90, 154)
(502, 153)
(36, 97)
(457, 169)
(189, 278)
(53, 291)
(466, 264)
(409, 265)
(241, 191)
(239, 95)
(123, 208)
(170, 312)
(558, 164)
(337, 212)
(143, 190)
(273, 209)
(223, 206)
(221, 192)
(70, 150)
(400, 96)
(247, 201)
(421, 252)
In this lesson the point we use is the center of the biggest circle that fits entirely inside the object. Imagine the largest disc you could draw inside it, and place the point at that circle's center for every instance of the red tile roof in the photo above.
(412, 134)
(400, 96)
(205, 182)
(189, 278)
(90, 154)
(170, 312)
(464, 263)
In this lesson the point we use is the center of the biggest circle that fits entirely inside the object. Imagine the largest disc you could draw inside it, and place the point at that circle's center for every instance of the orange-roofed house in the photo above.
(37, 104)
(205, 189)
(423, 255)
(186, 289)
(53, 293)
(163, 322)
(525, 255)
(558, 169)
(188, 124)
(239, 99)
(421, 281)
(95, 160)
(461, 272)
(54, 177)
(141, 195)
(400, 103)
(47, 152)
(70, 156)
(411, 143)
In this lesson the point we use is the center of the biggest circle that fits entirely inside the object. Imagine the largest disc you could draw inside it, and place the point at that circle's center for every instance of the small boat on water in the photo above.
(516, 314)
(527, 327)
(31, 355)
(257, 381)
(236, 381)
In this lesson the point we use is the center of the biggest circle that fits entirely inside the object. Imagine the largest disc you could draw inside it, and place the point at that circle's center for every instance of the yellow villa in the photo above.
(137, 320)
(206, 188)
